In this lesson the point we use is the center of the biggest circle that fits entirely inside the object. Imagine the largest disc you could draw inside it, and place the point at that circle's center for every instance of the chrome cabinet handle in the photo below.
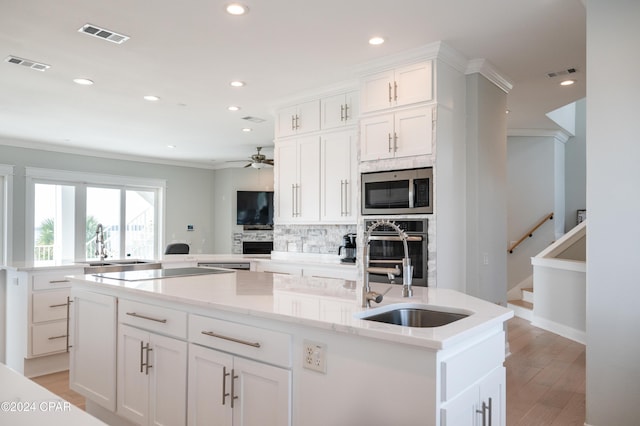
(390, 99)
(233, 387)
(346, 112)
(389, 142)
(341, 197)
(58, 281)
(145, 349)
(58, 337)
(346, 197)
(395, 142)
(297, 121)
(293, 199)
(395, 91)
(59, 305)
(231, 339)
(141, 356)
(69, 302)
(490, 410)
(225, 394)
(486, 407)
(293, 121)
(133, 314)
(342, 113)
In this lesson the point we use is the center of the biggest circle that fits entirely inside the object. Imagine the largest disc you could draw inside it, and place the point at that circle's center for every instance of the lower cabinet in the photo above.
(227, 390)
(152, 377)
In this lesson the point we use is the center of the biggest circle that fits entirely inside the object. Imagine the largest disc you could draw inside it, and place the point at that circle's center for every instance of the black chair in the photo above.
(177, 248)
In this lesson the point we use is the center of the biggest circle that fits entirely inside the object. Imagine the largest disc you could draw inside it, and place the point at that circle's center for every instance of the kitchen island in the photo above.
(261, 348)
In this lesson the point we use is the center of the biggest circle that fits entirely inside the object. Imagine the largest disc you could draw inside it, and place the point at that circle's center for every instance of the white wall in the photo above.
(576, 167)
(613, 237)
(226, 183)
(536, 187)
(188, 196)
(486, 199)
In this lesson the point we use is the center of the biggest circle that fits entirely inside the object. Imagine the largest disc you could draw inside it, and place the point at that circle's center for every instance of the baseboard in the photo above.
(560, 329)
(520, 312)
(35, 367)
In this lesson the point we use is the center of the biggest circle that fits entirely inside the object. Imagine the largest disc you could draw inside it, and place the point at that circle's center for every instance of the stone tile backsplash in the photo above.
(321, 239)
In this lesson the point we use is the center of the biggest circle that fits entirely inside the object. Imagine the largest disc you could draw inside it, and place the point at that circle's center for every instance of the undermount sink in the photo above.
(410, 315)
(103, 266)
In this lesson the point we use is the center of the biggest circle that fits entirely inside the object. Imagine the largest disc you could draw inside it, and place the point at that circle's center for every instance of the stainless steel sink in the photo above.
(101, 267)
(412, 316)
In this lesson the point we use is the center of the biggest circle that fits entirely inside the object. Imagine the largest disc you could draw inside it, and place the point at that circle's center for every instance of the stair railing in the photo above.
(529, 234)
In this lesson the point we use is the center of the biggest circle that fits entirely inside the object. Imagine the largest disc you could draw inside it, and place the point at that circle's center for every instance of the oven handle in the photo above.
(394, 238)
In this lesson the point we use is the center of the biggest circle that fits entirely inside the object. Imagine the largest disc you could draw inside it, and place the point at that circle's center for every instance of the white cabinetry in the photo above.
(339, 110)
(92, 365)
(401, 134)
(338, 175)
(296, 119)
(226, 388)
(152, 368)
(397, 87)
(37, 320)
(298, 172)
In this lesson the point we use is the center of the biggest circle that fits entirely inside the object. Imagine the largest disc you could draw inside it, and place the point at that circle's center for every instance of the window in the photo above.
(66, 209)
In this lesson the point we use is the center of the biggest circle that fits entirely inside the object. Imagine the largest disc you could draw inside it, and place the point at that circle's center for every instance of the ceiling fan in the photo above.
(258, 160)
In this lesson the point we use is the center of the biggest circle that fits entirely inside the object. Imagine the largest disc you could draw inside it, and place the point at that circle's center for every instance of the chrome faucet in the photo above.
(407, 269)
(100, 249)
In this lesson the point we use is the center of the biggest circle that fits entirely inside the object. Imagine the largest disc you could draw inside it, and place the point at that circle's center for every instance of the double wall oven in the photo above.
(388, 252)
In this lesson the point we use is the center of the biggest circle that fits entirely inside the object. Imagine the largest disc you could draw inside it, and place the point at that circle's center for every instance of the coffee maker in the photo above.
(347, 251)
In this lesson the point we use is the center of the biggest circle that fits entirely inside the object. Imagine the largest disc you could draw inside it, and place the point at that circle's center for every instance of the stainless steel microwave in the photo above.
(398, 192)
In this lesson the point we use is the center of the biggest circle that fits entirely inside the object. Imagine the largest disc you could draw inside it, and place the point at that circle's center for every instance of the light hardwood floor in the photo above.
(545, 378)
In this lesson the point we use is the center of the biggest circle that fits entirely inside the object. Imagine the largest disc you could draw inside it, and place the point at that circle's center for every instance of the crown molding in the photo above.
(421, 53)
(557, 135)
(491, 73)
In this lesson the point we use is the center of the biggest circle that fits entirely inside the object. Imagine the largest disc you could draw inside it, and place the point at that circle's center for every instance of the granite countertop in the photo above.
(258, 294)
(25, 403)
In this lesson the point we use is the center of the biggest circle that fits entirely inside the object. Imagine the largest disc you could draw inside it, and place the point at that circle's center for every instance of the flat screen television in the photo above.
(255, 208)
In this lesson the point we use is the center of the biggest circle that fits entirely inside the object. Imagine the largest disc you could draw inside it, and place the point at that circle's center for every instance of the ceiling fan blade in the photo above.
(270, 162)
(248, 165)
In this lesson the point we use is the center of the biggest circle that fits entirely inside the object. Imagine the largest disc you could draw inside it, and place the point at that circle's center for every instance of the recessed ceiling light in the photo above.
(171, 146)
(151, 98)
(237, 83)
(246, 129)
(507, 111)
(567, 82)
(83, 81)
(375, 41)
(233, 108)
(237, 9)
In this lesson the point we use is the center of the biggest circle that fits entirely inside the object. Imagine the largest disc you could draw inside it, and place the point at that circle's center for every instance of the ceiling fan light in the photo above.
(257, 165)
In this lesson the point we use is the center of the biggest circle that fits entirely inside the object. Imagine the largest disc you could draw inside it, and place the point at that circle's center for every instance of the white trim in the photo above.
(564, 264)
(7, 172)
(422, 53)
(558, 135)
(92, 178)
(560, 329)
(490, 72)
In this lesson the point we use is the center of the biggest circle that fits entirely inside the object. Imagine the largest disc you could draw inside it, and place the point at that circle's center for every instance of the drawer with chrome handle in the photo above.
(153, 318)
(252, 342)
(49, 305)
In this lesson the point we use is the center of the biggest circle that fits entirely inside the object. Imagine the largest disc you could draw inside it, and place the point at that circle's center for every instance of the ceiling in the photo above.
(186, 53)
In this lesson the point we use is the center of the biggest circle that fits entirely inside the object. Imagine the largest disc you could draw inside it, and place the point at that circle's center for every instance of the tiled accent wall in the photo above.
(321, 239)
(239, 237)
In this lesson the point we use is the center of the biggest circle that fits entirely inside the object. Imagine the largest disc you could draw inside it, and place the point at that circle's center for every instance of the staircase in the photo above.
(523, 307)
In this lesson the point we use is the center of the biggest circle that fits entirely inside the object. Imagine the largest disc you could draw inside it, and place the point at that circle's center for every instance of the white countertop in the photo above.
(25, 403)
(258, 294)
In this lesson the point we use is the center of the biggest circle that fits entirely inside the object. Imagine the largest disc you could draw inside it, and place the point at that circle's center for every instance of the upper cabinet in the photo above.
(401, 86)
(339, 110)
(297, 119)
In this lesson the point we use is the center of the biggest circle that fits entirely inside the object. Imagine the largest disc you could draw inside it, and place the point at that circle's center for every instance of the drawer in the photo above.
(267, 346)
(49, 305)
(53, 280)
(153, 318)
(465, 368)
(49, 338)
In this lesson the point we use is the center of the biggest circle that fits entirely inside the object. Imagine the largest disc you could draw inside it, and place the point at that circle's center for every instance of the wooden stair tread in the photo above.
(521, 303)
(529, 289)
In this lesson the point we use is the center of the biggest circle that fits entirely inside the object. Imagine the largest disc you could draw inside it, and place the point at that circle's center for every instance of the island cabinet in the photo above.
(152, 364)
(226, 387)
(404, 85)
(37, 319)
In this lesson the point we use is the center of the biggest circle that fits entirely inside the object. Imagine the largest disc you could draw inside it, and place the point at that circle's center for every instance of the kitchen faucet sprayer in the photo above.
(407, 269)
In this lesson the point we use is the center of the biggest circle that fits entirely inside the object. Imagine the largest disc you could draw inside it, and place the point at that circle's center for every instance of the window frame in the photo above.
(6, 213)
(81, 181)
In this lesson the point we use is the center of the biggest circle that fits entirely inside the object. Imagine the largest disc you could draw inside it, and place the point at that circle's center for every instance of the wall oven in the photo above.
(387, 254)
(398, 192)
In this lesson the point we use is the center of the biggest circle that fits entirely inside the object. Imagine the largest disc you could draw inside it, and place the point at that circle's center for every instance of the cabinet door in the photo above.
(376, 91)
(493, 394)
(376, 137)
(264, 394)
(209, 387)
(287, 174)
(286, 121)
(308, 117)
(413, 132)
(461, 411)
(338, 110)
(338, 177)
(413, 84)
(308, 192)
(133, 377)
(168, 385)
(92, 362)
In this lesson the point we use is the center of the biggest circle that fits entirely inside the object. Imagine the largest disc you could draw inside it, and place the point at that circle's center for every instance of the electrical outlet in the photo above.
(314, 356)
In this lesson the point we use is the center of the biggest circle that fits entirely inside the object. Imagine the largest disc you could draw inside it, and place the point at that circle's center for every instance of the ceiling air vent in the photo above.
(568, 71)
(254, 119)
(104, 34)
(38, 66)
